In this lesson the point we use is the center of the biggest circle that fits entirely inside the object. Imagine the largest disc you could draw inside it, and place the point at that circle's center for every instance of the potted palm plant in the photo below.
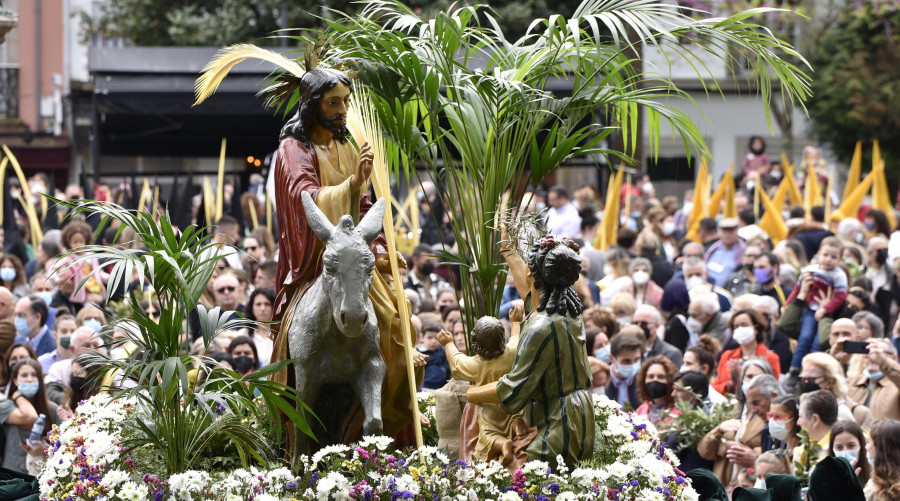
(182, 414)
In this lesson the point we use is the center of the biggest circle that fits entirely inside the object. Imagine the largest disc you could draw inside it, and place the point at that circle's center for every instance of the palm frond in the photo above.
(217, 69)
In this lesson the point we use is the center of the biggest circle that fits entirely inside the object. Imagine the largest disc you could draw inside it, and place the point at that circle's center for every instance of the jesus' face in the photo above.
(333, 109)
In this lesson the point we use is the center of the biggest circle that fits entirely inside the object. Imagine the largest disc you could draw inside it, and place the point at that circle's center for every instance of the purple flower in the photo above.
(553, 488)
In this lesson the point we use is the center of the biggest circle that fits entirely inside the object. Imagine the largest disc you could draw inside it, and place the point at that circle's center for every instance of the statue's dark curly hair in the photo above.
(555, 266)
(313, 85)
(488, 338)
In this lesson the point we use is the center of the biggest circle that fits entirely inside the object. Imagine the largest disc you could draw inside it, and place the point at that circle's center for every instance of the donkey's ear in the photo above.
(317, 219)
(372, 224)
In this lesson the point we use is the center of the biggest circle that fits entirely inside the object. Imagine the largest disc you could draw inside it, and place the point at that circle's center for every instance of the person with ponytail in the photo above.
(551, 377)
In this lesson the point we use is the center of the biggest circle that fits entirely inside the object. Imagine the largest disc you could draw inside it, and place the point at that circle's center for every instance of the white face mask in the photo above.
(640, 277)
(744, 335)
(760, 484)
(850, 455)
(668, 228)
(694, 282)
(695, 326)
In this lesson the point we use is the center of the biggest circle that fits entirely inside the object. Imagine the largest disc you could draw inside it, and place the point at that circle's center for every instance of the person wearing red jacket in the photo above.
(748, 329)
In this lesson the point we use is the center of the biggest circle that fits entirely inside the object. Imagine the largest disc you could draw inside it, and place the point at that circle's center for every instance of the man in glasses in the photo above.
(225, 292)
(648, 319)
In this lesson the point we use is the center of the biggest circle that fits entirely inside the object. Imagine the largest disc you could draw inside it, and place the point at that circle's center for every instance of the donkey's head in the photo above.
(347, 263)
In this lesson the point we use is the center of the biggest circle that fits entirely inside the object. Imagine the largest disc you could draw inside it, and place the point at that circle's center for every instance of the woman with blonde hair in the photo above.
(616, 278)
(822, 371)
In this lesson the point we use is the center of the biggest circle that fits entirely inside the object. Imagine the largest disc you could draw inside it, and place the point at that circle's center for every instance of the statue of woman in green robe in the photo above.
(551, 377)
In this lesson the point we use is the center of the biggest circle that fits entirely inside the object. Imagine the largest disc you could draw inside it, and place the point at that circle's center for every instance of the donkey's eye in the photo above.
(329, 270)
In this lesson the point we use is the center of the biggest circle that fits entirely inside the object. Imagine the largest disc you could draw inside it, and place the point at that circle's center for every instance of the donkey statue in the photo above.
(335, 336)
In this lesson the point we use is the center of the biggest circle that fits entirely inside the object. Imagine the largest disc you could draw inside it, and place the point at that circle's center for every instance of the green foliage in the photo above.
(186, 416)
(694, 423)
(426, 407)
(857, 64)
(457, 86)
(807, 460)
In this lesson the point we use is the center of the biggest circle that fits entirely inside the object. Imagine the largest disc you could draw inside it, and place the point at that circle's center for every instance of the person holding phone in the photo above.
(878, 386)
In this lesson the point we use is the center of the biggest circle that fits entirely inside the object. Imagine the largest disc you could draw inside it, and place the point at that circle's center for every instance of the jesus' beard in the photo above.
(336, 124)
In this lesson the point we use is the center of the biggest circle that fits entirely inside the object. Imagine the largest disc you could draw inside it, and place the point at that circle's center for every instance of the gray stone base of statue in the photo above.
(334, 332)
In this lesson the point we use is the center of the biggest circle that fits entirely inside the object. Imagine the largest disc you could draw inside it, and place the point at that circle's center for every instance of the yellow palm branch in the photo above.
(226, 59)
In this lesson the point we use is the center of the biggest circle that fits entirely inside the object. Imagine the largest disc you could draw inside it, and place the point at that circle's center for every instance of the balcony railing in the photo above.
(9, 91)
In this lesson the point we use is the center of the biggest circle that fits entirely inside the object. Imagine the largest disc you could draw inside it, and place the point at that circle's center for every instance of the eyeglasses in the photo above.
(778, 417)
(228, 288)
(250, 248)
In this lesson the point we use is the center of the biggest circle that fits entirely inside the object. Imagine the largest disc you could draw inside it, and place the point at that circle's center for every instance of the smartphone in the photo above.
(856, 347)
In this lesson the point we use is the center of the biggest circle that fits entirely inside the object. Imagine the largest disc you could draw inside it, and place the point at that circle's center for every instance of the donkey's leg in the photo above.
(308, 392)
(367, 386)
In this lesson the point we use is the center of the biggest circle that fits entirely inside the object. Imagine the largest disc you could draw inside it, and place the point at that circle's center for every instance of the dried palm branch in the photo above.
(226, 59)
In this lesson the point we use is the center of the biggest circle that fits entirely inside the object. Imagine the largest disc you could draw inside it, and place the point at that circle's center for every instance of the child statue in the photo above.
(493, 358)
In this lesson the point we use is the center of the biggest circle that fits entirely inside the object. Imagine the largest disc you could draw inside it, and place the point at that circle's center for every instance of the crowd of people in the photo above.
(798, 337)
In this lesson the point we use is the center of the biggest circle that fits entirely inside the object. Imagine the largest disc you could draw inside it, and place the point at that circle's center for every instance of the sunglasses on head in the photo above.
(227, 288)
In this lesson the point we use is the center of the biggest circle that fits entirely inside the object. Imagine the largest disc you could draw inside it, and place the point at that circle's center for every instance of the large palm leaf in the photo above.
(182, 415)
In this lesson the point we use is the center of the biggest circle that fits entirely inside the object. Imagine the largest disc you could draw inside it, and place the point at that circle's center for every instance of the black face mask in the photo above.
(809, 387)
(657, 389)
(748, 267)
(243, 365)
(646, 332)
(77, 384)
(881, 256)
(426, 268)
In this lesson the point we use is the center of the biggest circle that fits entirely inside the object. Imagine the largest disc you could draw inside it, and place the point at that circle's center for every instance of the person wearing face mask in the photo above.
(748, 330)
(878, 386)
(704, 317)
(766, 268)
(743, 280)
(244, 355)
(883, 453)
(63, 336)
(648, 246)
(654, 386)
(27, 384)
(82, 385)
(821, 371)
(782, 431)
(878, 270)
(422, 278)
(696, 279)
(849, 442)
(12, 275)
(84, 341)
(645, 290)
(44, 287)
(625, 353)
(757, 160)
(31, 324)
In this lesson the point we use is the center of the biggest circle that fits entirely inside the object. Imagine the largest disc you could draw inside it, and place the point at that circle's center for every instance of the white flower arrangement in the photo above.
(86, 462)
